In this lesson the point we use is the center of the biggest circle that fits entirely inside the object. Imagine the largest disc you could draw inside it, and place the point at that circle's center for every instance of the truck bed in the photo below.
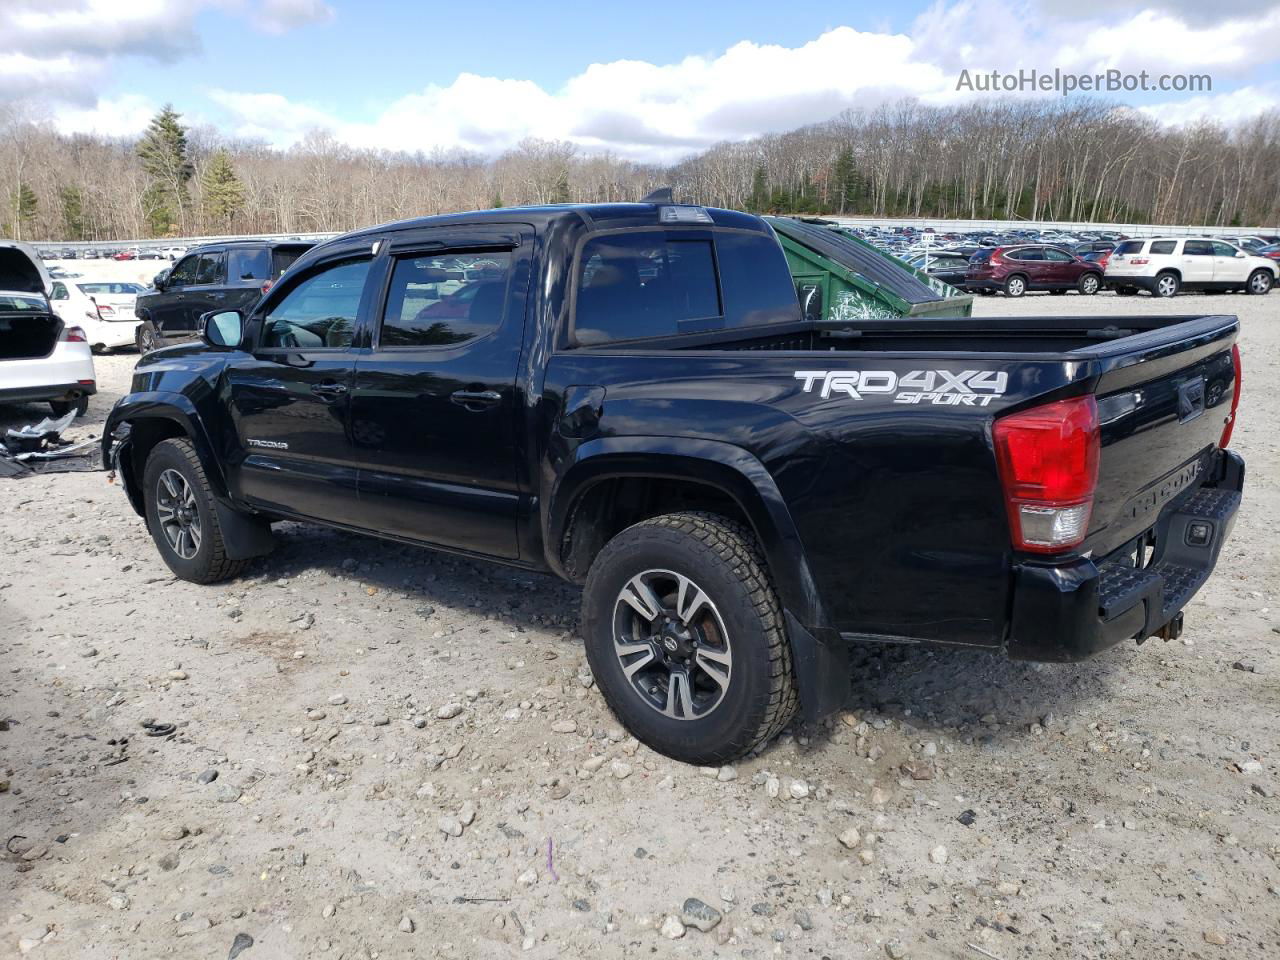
(971, 335)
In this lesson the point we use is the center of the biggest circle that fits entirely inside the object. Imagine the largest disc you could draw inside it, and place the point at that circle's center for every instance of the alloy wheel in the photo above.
(1260, 283)
(672, 644)
(1166, 286)
(178, 514)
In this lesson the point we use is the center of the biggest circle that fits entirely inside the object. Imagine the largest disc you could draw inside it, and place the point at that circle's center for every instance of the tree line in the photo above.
(1039, 160)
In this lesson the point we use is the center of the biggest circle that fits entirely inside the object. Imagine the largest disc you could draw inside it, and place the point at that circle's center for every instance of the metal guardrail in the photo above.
(918, 223)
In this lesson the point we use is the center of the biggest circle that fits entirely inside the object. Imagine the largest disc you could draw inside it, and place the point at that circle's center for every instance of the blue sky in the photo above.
(652, 84)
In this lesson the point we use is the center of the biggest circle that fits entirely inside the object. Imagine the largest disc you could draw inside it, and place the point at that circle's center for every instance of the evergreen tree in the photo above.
(759, 200)
(72, 199)
(25, 207)
(848, 182)
(223, 190)
(163, 152)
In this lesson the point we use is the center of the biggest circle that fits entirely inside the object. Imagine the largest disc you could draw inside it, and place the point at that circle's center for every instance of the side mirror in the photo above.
(1240, 255)
(160, 280)
(222, 328)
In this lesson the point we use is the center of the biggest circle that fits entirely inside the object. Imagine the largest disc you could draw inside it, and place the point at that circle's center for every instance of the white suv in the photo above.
(1165, 265)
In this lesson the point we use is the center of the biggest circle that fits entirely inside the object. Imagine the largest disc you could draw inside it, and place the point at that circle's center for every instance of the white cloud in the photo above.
(1224, 108)
(632, 107)
(281, 16)
(63, 49)
(110, 116)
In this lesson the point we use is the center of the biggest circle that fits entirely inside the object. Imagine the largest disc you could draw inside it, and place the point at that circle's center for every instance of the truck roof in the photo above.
(597, 215)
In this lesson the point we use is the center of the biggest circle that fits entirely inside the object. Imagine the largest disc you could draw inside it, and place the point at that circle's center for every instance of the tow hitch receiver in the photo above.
(1171, 630)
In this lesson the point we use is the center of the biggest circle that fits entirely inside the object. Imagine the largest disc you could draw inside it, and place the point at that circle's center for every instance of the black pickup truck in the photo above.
(630, 396)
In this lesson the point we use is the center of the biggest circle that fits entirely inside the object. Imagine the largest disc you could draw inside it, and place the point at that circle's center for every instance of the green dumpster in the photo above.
(842, 278)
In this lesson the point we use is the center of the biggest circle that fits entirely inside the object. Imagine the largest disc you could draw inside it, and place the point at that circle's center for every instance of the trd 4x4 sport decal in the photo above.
(969, 388)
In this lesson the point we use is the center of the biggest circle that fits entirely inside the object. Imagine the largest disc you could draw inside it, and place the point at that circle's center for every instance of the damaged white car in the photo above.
(42, 357)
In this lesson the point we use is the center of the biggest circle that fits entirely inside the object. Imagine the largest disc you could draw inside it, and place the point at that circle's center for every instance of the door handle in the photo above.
(329, 389)
(475, 399)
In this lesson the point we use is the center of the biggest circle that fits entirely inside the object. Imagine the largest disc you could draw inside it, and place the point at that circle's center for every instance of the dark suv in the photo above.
(222, 276)
(1015, 270)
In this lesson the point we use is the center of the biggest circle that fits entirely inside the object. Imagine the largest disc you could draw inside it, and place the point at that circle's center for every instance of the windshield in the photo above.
(24, 304)
(105, 289)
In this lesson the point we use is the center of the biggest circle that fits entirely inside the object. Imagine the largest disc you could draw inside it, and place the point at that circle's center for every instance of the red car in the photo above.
(126, 255)
(1015, 270)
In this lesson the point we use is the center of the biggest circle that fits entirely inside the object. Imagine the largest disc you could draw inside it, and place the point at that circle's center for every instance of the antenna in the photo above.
(661, 195)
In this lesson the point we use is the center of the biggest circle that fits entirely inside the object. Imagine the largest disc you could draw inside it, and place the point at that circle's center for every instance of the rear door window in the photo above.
(442, 300)
(1163, 247)
(1197, 248)
(645, 284)
(282, 258)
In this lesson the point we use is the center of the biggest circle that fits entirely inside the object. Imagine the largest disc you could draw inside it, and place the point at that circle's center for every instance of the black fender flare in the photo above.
(244, 535)
(820, 656)
(167, 405)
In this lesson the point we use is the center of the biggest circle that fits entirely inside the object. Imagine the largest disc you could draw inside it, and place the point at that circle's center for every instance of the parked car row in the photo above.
(1160, 266)
(112, 253)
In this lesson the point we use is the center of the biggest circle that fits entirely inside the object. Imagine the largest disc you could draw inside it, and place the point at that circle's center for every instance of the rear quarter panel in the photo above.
(897, 503)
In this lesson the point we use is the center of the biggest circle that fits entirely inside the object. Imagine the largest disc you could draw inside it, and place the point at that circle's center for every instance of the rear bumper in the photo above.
(1110, 281)
(1070, 611)
(53, 391)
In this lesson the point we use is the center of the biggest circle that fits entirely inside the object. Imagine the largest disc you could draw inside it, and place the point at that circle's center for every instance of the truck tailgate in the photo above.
(1163, 401)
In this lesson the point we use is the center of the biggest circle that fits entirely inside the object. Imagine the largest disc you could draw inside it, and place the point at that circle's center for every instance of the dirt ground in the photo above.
(409, 760)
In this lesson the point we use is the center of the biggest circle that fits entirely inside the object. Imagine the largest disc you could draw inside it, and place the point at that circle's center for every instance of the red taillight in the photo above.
(105, 311)
(73, 335)
(1104, 260)
(266, 285)
(995, 256)
(1235, 397)
(1048, 459)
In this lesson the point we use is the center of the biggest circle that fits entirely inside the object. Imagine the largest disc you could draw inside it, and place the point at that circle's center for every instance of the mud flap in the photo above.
(243, 536)
(822, 671)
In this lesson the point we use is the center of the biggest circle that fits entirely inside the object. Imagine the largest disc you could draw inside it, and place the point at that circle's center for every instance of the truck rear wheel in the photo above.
(181, 517)
(686, 638)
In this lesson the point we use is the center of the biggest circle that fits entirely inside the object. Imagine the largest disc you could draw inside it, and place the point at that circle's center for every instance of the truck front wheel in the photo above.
(181, 516)
(686, 638)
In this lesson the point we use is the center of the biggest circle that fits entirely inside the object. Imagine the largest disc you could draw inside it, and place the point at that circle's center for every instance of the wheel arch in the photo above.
(820, 657)
(706, 470)
(149, 419)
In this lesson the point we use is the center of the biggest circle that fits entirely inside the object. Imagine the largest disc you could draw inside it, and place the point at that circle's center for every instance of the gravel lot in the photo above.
(387, 752)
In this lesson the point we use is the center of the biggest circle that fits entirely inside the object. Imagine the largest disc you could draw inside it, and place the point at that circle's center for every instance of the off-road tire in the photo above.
(725, 561)
(210, 563)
